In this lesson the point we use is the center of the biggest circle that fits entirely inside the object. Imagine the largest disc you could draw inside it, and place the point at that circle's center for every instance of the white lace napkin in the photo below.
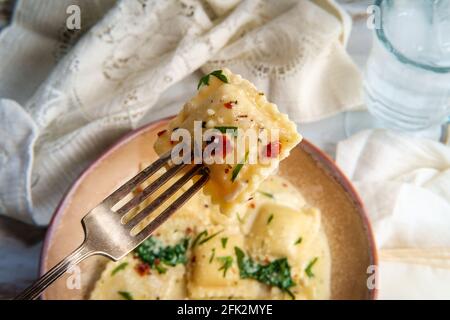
(405, 184)
(117, 71)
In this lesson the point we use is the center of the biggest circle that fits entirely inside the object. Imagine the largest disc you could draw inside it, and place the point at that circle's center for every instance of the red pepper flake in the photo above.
(285, 185)
(227, 170)
(189, 230)
(172, 142)
(157, 261)
(193, 259)
(252, 205)
(143, 269)
(272, 149)
(160, 133)
(229, 105)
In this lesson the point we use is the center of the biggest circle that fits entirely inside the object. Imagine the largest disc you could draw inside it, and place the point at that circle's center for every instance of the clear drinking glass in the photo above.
(407, 78)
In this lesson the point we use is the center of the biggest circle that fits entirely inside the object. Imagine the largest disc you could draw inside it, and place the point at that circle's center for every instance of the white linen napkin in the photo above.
(140, 50)
(405, 184)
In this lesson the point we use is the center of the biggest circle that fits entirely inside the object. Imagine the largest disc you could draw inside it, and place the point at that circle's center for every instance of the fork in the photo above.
(107, 232)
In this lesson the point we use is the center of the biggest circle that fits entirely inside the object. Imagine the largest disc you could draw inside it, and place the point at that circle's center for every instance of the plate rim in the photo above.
(320, 156)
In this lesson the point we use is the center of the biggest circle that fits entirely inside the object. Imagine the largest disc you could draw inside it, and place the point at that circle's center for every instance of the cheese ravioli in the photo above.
(254, 136)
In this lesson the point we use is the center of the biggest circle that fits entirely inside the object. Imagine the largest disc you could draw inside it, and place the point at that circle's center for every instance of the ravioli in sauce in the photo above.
(273, 248)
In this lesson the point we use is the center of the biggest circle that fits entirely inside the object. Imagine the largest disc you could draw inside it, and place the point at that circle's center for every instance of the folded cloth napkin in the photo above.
(405, 184)
(138, 51)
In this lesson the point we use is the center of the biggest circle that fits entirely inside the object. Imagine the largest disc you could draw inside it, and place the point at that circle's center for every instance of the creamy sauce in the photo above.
(268, 227)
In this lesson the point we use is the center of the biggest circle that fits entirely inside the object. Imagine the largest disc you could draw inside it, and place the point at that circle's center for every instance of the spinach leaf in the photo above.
(154, 253)
(276, 273)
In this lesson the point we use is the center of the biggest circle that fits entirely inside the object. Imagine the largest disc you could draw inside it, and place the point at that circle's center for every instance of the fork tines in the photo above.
(129, 186)
(108, 232)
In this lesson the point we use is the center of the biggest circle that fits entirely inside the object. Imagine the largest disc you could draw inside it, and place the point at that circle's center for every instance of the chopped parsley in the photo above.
(308, 269)
(154, 253)
(267, 194)
(224, 129)
(238, 168)
(204, 233)
(205, 79)
(120, 267)
(200, 238)
(210, 237)
(224, 242)
(276, 273)
(269, 220)
(213, 254)
(125, 294)
(299, 240)
(226, 261)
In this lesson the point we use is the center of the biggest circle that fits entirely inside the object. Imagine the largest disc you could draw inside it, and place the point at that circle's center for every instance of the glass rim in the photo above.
(383, 38)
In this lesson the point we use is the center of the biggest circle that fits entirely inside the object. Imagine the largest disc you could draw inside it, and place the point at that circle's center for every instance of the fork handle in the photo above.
(34, 290)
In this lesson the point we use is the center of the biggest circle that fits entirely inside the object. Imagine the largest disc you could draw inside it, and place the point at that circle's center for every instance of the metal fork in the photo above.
(108, 233)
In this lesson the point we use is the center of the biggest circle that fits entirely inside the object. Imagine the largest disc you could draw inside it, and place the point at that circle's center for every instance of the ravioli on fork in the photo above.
(247, 136)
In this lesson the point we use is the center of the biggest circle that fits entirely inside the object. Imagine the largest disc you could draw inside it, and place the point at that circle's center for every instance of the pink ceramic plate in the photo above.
(309, 169)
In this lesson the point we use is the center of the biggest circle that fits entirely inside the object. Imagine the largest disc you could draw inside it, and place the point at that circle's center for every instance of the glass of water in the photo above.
(407, 78)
